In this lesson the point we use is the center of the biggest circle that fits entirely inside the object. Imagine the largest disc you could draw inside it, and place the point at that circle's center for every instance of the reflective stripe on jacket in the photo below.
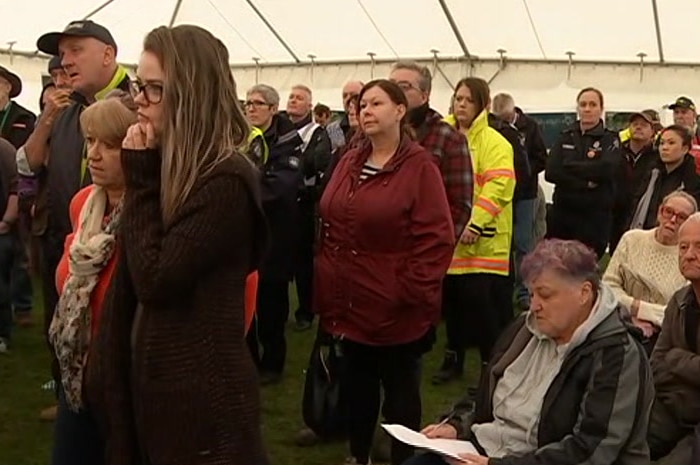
(492, 214)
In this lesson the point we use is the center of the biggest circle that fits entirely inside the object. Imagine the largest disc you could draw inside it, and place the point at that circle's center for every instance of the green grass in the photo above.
(24, 440)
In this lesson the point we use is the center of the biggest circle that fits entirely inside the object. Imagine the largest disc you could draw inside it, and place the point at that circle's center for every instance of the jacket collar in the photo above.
(480, 123)
(406, 149)
(120, 80)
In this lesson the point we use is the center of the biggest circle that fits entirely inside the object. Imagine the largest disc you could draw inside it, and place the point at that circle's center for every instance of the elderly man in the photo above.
(338, 130)
(525, 197)
(568, 383)
(315, 157)
(676, 359)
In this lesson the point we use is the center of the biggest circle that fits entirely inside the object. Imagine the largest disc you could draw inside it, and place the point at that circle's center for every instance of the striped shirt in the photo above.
(368, 171)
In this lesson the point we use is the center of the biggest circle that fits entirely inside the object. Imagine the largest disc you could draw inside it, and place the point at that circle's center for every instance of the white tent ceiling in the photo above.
(347, 30)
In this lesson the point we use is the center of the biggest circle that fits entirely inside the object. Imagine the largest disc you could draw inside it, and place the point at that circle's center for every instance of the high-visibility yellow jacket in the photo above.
(492, 213)
(256, 149)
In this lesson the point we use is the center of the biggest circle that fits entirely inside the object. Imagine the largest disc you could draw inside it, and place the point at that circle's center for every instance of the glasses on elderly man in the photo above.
(668, 213)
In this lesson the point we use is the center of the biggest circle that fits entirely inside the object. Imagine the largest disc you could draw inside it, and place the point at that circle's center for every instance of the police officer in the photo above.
(583, 166)
(281, 179)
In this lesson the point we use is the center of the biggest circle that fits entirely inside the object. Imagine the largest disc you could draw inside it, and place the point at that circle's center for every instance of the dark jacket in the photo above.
(18, 125)
(385, 245)
(597, 407)
(316, 156)
(451, 154)
(8, 174)
(281, 183)
(66, 172)
(634, 169)
(583, 169)
(684, 177)
(533, 140)
(521, 163)
(675, 363)
(177, 382)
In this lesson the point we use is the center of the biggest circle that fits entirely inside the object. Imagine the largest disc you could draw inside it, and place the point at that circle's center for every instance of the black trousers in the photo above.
(590, 228)
(304, 266)
(664, 431)
(370, 369)
(477, 309)
(266, 338)
(51, 252)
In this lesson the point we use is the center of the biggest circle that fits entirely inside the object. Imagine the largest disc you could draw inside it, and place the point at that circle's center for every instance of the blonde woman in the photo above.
(173, 377)
(643, 272)
(83, 277)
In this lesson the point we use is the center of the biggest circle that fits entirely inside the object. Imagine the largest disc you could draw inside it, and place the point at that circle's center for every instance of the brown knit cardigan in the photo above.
(173, 383)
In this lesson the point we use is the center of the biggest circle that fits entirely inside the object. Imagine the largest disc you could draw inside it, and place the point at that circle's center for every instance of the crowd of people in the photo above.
(167, 219)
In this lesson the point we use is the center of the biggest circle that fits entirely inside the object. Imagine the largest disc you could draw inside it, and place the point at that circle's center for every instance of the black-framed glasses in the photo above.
(152, 92)
(255, 104)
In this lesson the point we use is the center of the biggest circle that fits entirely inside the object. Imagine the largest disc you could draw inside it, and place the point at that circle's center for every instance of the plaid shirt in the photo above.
(449, 147)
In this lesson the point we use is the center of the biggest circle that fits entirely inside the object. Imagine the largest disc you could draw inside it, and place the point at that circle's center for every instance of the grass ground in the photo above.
(24, 440)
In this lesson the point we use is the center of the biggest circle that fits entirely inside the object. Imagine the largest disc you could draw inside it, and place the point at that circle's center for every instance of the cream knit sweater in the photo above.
(642, 268)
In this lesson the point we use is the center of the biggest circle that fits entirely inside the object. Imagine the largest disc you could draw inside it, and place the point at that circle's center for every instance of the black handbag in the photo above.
(323, 408)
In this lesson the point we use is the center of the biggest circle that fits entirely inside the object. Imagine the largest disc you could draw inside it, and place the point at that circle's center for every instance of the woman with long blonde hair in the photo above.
(173, 379)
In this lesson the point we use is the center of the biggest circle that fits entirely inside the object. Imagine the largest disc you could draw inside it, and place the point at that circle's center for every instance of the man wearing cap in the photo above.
(16, 122)
(639, 158)
(685, 114)
(88, 56)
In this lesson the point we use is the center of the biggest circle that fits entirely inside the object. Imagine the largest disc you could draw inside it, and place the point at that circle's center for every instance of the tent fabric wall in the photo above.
(536, 87)
(613, 30)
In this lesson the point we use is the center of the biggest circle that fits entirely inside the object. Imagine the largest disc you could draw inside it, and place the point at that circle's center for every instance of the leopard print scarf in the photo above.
(90, 252)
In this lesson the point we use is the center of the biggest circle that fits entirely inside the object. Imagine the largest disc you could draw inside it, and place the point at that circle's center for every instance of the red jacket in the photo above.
(384, 249)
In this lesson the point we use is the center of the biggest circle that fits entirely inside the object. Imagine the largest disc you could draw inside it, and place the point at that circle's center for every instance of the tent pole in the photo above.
(455, 30)
(176, 10)
(657, 25)
(273, 30)
(98, 9)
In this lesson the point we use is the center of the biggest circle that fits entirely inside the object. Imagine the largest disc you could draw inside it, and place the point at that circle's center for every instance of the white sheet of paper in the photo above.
(447, 447)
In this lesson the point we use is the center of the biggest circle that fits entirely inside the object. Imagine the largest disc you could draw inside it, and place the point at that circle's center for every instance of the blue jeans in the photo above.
(6, 259)
(21, 284)
(76, 438)
(523, 242)
(425, 459)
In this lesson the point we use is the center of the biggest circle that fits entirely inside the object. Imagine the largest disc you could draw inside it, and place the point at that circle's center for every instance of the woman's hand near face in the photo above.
(140, 136)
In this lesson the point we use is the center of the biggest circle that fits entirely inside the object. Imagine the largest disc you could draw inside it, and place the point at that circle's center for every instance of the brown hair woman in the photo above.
(173, 376)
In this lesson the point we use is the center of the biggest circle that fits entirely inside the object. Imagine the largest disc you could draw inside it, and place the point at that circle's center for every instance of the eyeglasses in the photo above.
(255, 104)
(668, 213)
(405, 85)
(153, 93)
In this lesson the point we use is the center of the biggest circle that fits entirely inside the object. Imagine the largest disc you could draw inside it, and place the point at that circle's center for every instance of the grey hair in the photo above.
(502, 104)
(684, 195)
(570, 259)
(306, 89)
(269, 93)
(426, 79)
(694, 218)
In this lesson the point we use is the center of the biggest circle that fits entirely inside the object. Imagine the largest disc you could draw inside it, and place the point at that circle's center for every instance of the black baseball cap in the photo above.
(55, 63)
(48, 43)
(682, 102)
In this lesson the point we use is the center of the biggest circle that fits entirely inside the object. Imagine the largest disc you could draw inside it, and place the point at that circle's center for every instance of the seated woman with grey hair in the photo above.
(568, 383)
(643, 272)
